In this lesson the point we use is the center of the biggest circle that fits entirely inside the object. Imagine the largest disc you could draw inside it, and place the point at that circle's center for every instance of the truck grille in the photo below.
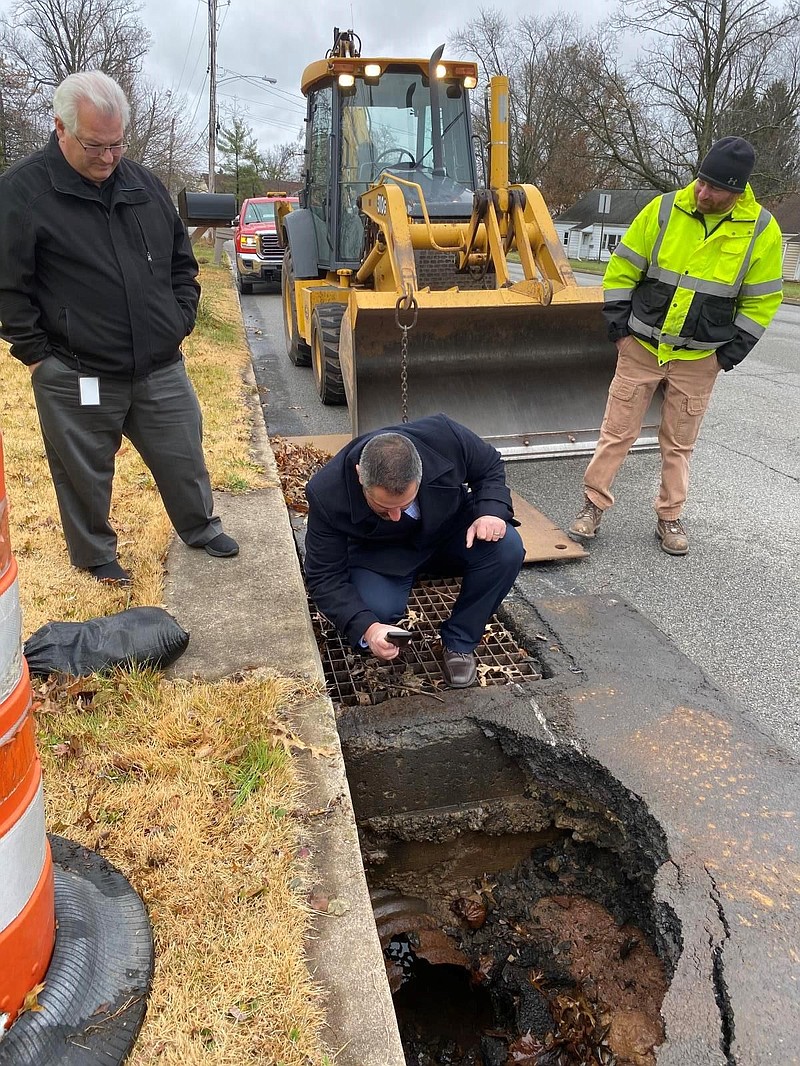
(270, 249)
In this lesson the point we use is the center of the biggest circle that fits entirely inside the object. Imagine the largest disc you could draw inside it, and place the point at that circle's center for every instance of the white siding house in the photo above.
(593, 226)
(787, 214)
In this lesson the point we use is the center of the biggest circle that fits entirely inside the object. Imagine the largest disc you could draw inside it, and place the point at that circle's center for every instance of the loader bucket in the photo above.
(530, 379)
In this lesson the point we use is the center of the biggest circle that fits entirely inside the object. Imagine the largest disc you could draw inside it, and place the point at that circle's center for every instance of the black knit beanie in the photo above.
(729, 163)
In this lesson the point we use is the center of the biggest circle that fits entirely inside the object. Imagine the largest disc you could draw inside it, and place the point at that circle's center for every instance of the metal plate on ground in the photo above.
(355, 679)
(544, 541)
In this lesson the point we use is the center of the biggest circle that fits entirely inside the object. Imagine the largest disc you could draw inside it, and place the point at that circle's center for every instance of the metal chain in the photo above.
(405, 304)
(404, 373)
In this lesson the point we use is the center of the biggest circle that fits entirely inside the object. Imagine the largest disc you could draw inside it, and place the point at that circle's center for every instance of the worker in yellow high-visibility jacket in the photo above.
(689, 291)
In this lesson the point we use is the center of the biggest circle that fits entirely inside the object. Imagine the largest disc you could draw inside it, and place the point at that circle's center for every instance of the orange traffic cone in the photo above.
(27, 901)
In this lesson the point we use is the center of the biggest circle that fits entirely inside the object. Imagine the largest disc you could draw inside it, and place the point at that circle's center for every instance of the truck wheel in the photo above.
(326, 322)
(296, 348)
(244, 287)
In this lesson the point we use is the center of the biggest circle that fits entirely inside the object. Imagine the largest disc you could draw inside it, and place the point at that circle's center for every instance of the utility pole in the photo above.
(212, 92)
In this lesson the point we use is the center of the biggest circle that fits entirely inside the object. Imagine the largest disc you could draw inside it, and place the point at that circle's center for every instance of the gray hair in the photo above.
(97, 89)
(389, 461)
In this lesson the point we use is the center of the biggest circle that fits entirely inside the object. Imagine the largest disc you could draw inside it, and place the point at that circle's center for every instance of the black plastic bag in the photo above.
(140, 636)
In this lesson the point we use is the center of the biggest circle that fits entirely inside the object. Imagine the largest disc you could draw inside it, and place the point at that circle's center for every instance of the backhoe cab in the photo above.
(396, 282)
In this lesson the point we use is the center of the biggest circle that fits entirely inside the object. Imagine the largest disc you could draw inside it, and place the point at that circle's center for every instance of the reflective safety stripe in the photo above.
(611, 296)
(686, 281)
(624, 252)
(23, 850)
(755, 329)
(654, 334)
(764, 288)
(10, 632)
(762, 222)
(664, 211)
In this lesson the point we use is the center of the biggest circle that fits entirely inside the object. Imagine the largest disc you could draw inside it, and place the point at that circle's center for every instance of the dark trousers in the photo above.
(488, 570)
(160, 416)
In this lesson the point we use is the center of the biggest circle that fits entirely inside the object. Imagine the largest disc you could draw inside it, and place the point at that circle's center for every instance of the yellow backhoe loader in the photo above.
(396, 284)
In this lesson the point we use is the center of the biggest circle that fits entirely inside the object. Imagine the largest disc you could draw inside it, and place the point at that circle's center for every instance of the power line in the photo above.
(188, 46)
(261, 103)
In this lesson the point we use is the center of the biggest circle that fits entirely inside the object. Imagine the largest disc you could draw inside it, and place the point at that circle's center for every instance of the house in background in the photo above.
(592, 227)
(787, 215)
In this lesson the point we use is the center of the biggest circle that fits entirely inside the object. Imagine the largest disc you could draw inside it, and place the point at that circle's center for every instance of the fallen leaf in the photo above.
(31, 1001)
(318, 900)
(471, 911)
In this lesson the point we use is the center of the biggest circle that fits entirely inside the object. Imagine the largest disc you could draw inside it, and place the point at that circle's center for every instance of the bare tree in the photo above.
(706, 69)
(55, 38)
(548, 86)
(283, 162)
(160, 135)
(21, 127)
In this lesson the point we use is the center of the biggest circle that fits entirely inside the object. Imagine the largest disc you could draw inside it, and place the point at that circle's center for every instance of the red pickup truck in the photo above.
(259, 255)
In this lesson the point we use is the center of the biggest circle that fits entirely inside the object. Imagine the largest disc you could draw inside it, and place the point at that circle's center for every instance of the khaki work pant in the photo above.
(687, 390)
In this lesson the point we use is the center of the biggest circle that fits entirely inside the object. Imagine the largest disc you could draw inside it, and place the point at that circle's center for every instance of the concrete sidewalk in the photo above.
(248, 612)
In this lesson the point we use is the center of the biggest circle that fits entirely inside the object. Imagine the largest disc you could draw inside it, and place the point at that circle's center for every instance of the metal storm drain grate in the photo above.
(355, 679)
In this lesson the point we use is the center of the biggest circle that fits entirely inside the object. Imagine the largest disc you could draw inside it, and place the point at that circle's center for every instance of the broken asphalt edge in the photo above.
(250, 612)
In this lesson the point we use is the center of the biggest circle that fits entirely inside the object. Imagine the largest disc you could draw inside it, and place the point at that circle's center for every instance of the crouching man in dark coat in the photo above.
(427, 496)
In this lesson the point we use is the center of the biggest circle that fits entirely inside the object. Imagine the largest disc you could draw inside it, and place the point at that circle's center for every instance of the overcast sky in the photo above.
(279, 39)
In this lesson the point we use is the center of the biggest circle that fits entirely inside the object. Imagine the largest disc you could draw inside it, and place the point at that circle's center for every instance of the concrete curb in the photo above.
(214, 599)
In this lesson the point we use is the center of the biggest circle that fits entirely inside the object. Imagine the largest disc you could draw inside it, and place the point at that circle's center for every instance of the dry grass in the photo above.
(187, 787)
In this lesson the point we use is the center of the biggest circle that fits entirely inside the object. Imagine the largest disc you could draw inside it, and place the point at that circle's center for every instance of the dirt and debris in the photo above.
(525, 968)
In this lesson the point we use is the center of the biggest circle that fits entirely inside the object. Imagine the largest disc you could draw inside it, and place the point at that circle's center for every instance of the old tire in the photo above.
(326, 322)
(296, 348)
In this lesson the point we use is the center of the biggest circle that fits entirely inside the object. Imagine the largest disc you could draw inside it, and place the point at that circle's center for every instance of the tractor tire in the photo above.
(326, 322)
(296, 348)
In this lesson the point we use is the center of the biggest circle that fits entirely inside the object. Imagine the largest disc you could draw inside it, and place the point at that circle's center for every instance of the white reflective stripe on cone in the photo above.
(10, 637)
(9, 736)
(23, 851)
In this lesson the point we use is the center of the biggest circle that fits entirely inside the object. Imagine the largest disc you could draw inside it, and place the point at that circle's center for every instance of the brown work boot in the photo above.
(672, 536)
(587, 521)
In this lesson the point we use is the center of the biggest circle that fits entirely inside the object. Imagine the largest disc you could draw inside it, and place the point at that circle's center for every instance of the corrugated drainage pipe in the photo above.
(68, 920)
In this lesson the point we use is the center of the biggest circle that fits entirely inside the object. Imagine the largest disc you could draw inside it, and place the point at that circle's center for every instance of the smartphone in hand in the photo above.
(399, 637)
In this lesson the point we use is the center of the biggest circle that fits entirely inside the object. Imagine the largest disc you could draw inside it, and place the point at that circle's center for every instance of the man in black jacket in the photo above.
(395, 502)
(98, 289)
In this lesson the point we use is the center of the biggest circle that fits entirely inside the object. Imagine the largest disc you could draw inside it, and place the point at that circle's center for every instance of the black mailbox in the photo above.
(206, 208)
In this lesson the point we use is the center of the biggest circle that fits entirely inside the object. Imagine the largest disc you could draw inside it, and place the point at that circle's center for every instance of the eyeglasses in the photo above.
(94, 151)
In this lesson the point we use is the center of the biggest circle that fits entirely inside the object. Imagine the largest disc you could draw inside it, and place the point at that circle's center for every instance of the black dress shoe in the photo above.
(222, 546)
(110, 574)
(459, 668)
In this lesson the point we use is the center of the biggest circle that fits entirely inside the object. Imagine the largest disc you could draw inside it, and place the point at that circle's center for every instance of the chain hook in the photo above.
(407, 303)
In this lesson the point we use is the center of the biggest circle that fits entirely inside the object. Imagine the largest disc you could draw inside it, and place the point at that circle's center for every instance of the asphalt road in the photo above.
(732, 604)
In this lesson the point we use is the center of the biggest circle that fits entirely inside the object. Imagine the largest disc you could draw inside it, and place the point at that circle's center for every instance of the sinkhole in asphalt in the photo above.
(513, 892)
